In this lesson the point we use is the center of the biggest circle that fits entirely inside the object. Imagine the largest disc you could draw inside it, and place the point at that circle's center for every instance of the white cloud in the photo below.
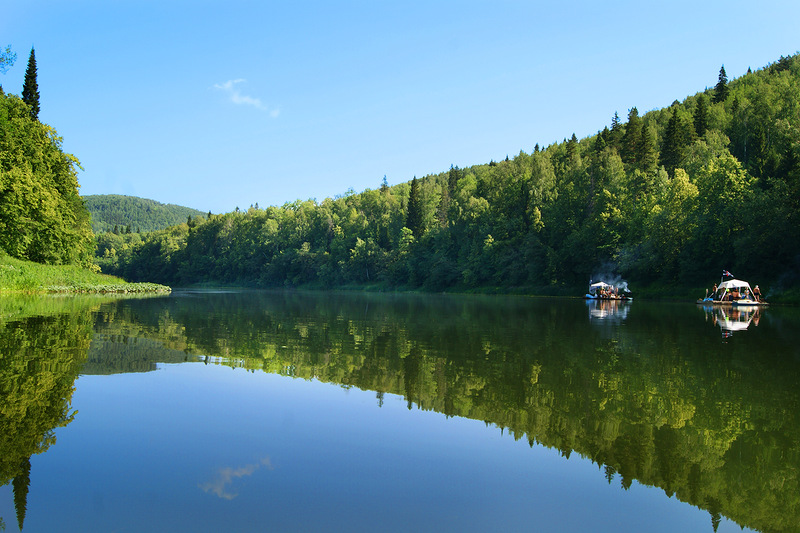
(231, 88)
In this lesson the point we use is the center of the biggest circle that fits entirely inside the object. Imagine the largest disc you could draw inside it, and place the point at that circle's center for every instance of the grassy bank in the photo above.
(18, 276)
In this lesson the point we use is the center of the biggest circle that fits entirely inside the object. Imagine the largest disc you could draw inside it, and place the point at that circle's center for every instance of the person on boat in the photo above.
(756, 293)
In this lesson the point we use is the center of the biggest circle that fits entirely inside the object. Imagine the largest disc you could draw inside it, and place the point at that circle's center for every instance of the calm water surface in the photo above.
(279, 411)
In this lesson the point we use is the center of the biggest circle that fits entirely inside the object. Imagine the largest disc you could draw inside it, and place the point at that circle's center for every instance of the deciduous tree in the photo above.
(7, 59)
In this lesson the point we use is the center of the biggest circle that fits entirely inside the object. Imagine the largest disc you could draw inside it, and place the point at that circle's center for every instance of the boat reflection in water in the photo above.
(611, 310)
(733, 318)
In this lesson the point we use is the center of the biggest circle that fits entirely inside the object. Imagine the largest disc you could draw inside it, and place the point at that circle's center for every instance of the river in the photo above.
(306, 411)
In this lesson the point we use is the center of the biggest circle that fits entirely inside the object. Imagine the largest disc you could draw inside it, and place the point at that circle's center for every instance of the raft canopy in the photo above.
(734, 284)
(742, 287)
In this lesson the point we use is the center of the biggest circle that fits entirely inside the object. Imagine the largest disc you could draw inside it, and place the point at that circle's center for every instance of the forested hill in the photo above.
(111, 211)
(670, 197)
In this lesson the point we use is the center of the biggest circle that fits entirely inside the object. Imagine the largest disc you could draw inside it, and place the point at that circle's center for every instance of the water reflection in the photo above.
(657, 401)
(42, 345)
(221, 485)
(731, 319)
(608, 309)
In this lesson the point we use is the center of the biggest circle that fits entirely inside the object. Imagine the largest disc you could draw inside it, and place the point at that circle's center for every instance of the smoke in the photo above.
(607, 274)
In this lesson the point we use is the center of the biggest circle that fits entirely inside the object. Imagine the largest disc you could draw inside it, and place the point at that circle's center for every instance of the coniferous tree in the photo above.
(721, 90)
(701, 116)
(452, 178)
(601, 141)
(647, 157)
(21, 485)
(615, 139)
(573, 156)
(671, 151)
(414, 215)
(443, 208)
(572, 147)
(632, 138)
(30, 88)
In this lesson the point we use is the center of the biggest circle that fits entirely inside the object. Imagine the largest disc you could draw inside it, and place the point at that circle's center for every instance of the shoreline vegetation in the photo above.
(664, 201)
(28, 277)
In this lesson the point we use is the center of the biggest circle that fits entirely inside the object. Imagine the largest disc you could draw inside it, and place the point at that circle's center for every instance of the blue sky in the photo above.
(218, 105)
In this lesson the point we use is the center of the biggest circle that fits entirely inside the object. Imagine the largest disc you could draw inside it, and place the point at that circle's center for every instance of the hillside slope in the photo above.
(141, 214)
(666, 199)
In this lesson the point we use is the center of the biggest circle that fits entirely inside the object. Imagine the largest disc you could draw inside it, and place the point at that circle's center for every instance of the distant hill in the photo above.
(141, 214)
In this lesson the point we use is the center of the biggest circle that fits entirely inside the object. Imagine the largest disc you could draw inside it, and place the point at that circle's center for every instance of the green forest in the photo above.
(129, 214)
(666, 198)
(42, 216)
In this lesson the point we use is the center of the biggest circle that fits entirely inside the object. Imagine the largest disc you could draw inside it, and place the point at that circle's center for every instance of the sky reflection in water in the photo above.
(207, 447)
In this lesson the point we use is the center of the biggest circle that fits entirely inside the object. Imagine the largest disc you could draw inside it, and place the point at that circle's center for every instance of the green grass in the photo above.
(17, 276)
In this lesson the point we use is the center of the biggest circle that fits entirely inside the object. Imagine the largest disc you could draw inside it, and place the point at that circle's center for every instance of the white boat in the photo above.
(733, 292)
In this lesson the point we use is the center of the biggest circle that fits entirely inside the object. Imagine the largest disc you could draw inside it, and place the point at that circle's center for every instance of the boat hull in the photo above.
(733, 303)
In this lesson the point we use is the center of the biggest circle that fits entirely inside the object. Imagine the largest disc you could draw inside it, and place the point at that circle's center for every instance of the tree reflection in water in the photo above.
(654, 398)
(40, 356)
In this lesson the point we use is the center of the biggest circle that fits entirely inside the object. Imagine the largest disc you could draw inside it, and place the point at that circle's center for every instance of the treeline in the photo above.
(672, 196)
(128, 214)
(42, 216)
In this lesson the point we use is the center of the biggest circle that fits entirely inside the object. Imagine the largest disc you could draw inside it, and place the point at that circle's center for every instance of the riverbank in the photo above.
(17, 276)
(776, 293)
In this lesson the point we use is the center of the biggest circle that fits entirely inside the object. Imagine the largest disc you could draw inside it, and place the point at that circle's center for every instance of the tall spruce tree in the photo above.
(414, 216)
(701, 116)
(647, 157)
(632, 138)
(615, 139)
(452, 178)
(672, 149)
(30, 88)
(21, 485)
(721, 90)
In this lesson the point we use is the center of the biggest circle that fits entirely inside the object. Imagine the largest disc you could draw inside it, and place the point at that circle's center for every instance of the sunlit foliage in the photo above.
(670, 197)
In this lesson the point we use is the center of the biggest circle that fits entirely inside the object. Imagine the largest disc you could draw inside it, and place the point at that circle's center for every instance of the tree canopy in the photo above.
(670, 197)
(7, 59)
(140, 214)
(42, 216)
